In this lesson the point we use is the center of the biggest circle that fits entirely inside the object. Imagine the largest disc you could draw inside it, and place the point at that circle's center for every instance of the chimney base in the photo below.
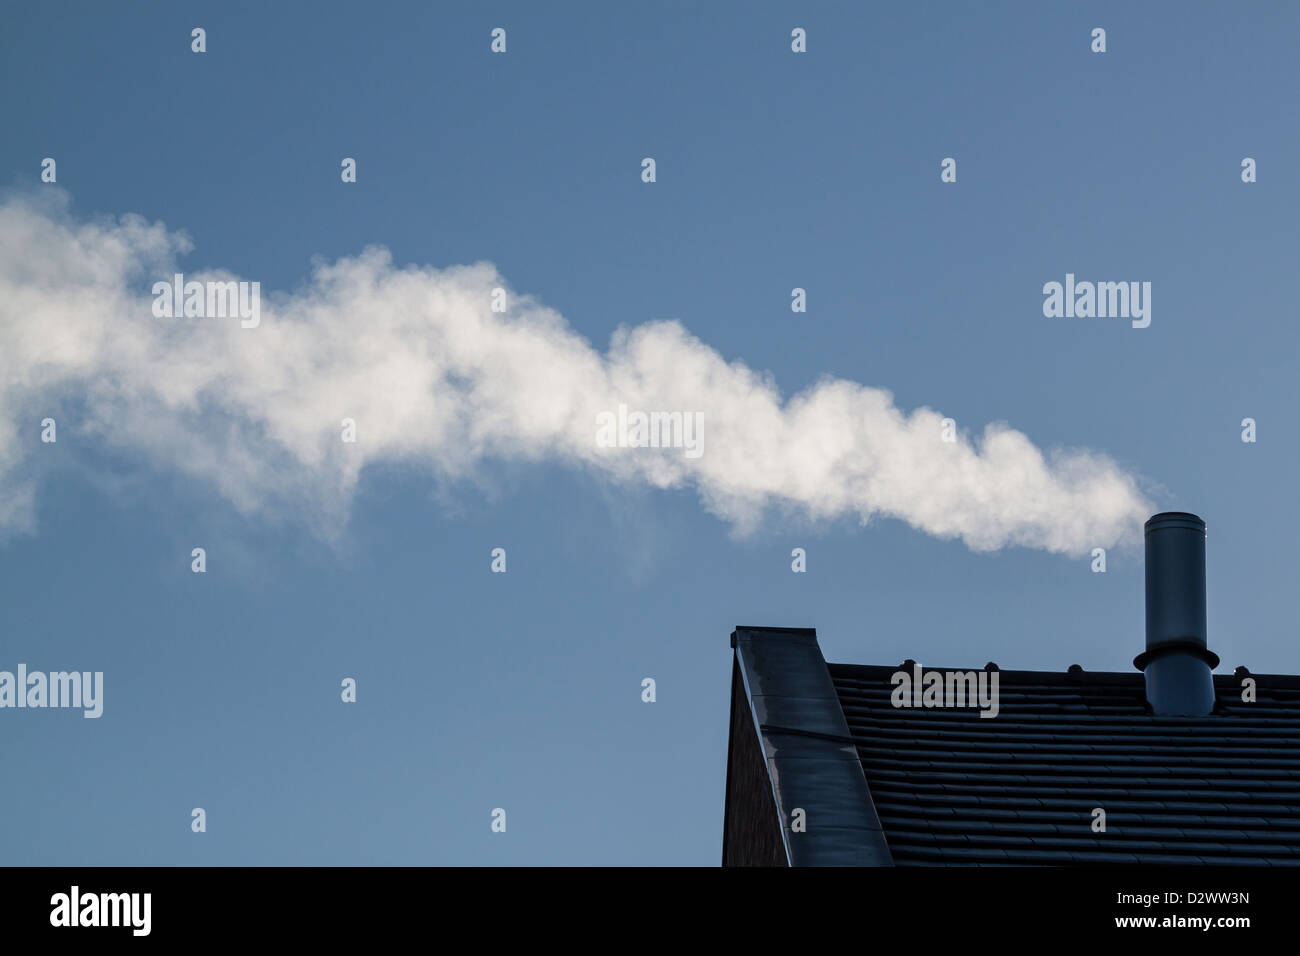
(1179, 683)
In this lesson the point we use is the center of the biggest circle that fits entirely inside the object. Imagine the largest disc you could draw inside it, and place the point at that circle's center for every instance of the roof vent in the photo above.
(1177, 662)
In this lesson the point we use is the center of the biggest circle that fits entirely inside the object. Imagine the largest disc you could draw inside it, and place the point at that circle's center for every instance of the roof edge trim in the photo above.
(812, 762)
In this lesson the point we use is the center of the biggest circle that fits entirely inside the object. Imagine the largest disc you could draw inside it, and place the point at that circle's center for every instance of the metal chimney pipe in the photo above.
(1177, 663)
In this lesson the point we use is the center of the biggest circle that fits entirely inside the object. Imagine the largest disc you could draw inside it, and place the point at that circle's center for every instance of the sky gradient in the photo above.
(775, 170)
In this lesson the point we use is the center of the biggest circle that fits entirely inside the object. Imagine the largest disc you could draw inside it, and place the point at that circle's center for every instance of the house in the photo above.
(848, 765)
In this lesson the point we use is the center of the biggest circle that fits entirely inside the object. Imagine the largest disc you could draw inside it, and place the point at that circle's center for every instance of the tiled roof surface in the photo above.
(951, 787)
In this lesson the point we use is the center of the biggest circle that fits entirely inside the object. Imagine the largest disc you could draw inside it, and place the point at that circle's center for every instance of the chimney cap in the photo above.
(1175, 519)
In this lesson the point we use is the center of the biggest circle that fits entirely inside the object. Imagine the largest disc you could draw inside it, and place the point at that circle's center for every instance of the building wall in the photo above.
(752, 830)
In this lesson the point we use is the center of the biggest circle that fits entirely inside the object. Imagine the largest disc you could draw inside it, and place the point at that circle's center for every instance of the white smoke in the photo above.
(433, 377)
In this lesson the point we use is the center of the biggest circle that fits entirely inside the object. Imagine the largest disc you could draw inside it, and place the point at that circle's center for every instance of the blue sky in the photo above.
(774, 170)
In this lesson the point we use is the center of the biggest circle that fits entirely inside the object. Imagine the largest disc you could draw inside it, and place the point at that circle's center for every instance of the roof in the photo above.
(943, 786)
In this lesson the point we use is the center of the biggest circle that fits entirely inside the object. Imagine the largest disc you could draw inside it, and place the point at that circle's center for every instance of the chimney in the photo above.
(1177, 662)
